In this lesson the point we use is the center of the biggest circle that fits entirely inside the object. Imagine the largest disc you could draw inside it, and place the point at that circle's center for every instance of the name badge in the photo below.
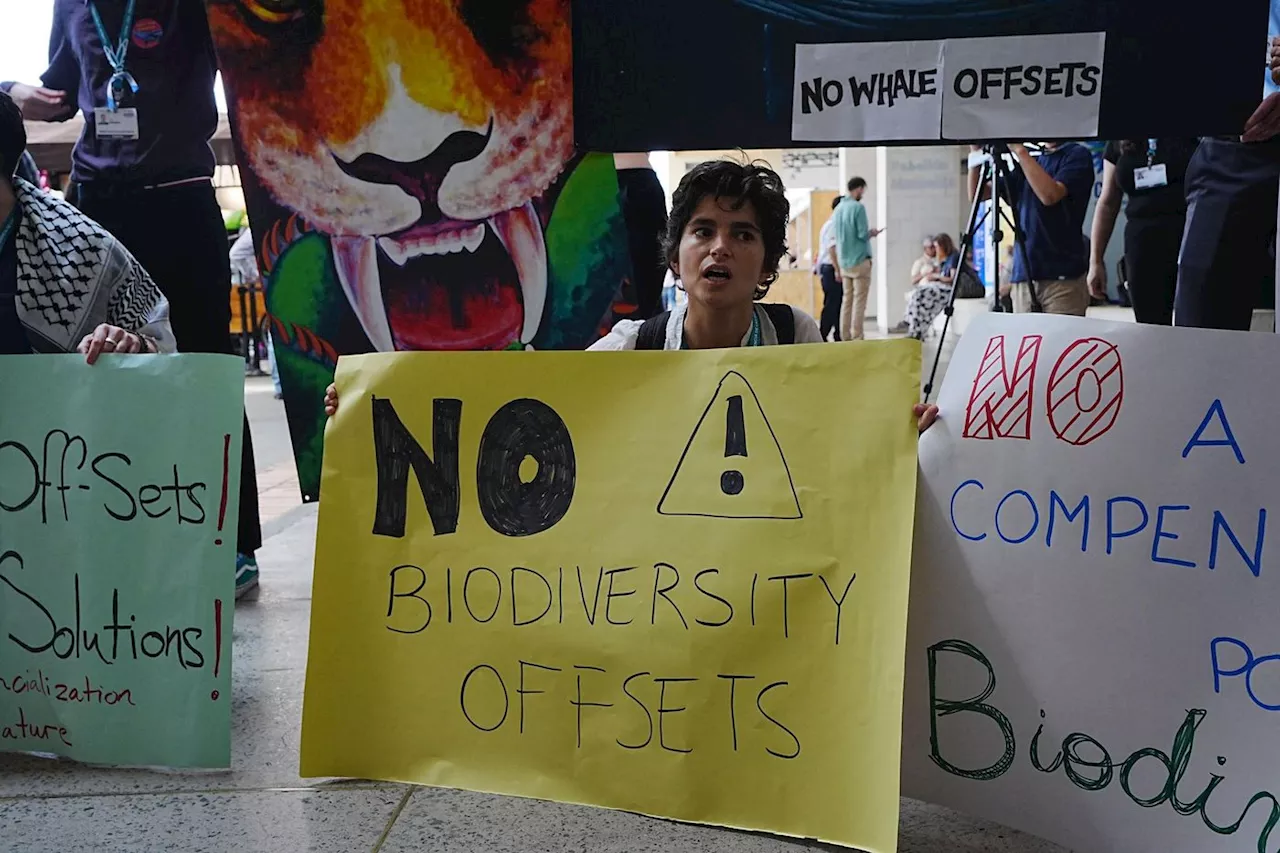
(119, 124)
(1146, 177)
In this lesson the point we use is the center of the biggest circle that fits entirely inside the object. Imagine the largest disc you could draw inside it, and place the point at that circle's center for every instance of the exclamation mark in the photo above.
(735, 444)
(222, 508)
(217, 642)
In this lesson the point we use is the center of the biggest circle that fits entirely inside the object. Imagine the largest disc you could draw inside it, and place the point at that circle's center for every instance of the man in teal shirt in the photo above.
(853, 250)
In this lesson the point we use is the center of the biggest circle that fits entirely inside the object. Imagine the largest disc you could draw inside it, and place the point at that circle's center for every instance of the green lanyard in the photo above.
(755, 339)
(116, 54)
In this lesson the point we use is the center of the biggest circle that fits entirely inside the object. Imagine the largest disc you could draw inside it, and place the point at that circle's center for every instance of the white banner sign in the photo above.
(1094, 651)
(1016, 88)
(1023, 87)
(873, 91)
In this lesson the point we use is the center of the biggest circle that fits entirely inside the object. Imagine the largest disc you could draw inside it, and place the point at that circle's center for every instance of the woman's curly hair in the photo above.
(737, 183)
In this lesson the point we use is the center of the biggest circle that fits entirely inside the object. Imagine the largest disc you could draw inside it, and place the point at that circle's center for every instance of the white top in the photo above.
(625, 333)
(923, 266)
(826, 240)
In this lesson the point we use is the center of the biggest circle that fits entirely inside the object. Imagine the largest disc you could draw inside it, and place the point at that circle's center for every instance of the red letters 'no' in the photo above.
(1085, 391)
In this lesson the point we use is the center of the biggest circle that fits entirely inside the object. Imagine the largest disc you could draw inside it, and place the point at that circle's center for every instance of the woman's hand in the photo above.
(924, 415)
(108, 338)
(331, 400)
(1098, 280)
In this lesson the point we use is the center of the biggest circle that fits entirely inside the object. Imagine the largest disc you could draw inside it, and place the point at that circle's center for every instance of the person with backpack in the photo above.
(724, 240)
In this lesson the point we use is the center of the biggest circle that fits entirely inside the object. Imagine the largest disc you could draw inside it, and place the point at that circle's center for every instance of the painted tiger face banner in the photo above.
(412, 183)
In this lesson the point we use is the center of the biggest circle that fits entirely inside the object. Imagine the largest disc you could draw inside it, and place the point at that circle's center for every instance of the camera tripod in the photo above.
(995, 177)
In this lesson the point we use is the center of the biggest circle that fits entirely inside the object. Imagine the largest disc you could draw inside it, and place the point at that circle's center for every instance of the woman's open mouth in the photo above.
(448, 285)
(717, 274)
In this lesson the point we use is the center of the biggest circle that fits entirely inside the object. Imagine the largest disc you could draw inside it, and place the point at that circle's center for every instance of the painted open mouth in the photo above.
(444, 283)
(449, 285)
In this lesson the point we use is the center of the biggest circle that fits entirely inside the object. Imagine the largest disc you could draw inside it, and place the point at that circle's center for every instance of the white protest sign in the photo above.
(874, 91)
(1093, 651)
(1022, 87)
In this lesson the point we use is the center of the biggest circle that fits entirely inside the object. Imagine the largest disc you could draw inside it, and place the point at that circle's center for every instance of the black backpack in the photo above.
(653, 332)
(967, 284)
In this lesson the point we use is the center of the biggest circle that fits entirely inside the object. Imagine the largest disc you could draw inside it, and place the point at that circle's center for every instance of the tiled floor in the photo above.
(261, 804)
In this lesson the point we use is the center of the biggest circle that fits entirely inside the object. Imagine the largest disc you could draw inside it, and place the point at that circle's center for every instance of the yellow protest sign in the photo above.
(671, 583)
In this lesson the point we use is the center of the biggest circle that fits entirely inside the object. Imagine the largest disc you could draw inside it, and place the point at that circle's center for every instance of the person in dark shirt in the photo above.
(65, 284)
(1051, 193)
(1151, 173)
(142, 72)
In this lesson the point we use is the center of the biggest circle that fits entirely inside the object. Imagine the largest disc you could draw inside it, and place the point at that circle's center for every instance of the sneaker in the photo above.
(246, 576)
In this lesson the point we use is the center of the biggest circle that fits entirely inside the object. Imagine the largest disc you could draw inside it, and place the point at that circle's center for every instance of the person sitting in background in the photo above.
(724, 240)
(927, 263)
(921, 268)
(926, 302)
(66, 285)
(1150, 172)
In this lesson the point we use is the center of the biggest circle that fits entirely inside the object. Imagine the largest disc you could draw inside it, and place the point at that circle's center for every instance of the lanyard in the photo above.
(116, 56)
(1151, 152)
(754, 339)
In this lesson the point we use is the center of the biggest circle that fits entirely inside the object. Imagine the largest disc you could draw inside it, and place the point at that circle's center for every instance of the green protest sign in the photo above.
(118, 508)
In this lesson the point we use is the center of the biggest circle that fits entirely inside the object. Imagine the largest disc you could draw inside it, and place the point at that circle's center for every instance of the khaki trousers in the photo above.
(1065, 296)
(853, 306)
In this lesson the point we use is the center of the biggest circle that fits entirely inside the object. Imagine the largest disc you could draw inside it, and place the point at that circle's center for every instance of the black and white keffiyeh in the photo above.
(73, 276)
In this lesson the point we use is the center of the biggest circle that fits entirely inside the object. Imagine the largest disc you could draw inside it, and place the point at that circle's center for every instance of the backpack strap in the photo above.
(653, 332)
(783, 319)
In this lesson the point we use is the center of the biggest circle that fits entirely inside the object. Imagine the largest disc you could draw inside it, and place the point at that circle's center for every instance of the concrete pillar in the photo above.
(922, 192)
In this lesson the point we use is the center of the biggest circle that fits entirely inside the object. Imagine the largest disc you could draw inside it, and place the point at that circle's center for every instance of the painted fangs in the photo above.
(356, 259)
(520, 231)
(401, 249)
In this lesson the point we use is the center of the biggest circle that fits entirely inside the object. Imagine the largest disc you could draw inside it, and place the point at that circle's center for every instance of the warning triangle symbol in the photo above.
(733, 465)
